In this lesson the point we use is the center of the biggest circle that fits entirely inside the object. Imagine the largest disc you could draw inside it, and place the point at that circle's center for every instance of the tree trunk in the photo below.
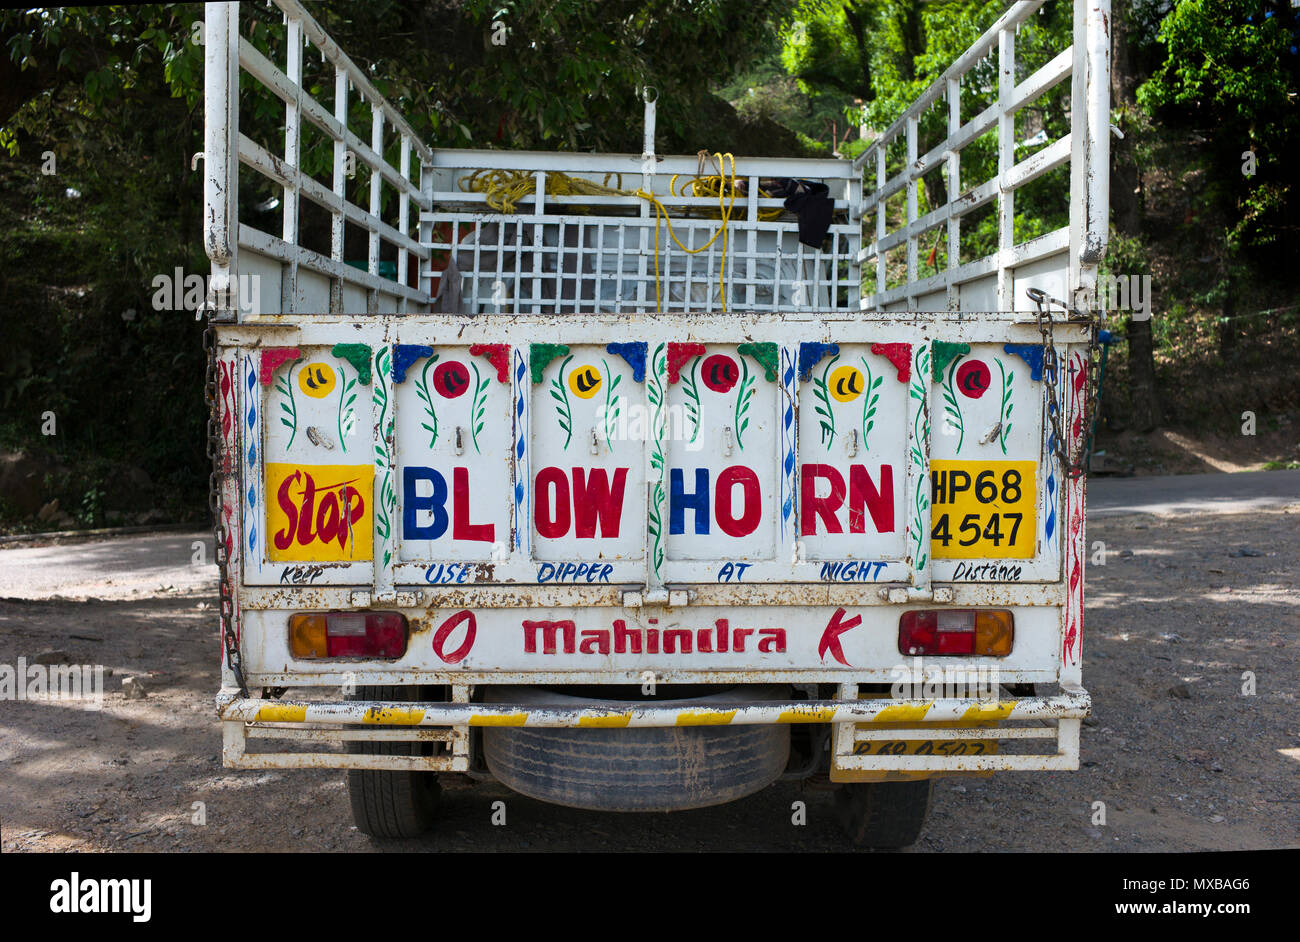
(1125, 185)
(1144, 402)
(1227, 327)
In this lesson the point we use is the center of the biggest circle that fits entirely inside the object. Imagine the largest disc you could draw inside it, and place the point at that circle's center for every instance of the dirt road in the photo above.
(1188, 601)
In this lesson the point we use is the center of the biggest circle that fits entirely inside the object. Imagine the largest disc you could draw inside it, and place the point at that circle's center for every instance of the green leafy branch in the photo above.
(387, 500)
(1005, 417)
(387, 493)
(560, 393)
(654, 393)
(920, 441)
(916, 390)
(381, 407)
(478, 407)
(821, 391)
(743, 397)
(613, 403)
(422, 390)
(951, 405)
(922, 502)
(347, 418)
(690, 386)
(869, 401)
(284, 386)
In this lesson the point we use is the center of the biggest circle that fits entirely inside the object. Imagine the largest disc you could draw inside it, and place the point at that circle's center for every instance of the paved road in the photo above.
(137, 565)
(122, 568)
(1193, 493)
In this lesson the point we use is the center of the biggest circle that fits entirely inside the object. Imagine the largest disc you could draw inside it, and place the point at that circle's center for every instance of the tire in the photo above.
(883, 815)
(638, 768)
(387, 803)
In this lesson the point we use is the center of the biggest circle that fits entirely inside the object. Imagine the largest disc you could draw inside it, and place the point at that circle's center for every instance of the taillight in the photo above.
(956, 631)
(347, 634)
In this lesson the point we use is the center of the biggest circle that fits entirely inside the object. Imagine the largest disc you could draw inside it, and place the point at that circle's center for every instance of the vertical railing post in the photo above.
(1006, 160)
(340, 186)
(221, 154)
(648, 139)
(404, 220)
(854, 191)
(913, 124)
(1078, 151)
(751, 270)
(539, 242)
(881, 169)
(292, 159)
(376, 181)
(954, 190)
(647, 184)
(426, 237)
(1096, 66)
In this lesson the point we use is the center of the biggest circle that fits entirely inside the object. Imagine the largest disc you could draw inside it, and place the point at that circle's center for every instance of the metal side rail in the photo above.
(323, 721)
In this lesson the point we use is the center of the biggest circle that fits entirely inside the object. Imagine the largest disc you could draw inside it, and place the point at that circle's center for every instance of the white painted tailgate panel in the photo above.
(833, 643)
(692, 449)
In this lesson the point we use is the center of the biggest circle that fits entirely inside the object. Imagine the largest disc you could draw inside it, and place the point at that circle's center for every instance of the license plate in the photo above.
(925, 747)
(983, 509)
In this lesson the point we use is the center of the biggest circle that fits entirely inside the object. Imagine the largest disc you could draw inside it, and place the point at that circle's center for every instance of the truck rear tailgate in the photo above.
(539, 495)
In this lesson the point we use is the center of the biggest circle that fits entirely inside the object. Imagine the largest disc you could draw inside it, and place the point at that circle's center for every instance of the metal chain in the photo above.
(216, 479)
(1072, 465)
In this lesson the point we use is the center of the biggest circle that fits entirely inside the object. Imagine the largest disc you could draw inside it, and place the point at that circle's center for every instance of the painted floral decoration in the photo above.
(973, 379)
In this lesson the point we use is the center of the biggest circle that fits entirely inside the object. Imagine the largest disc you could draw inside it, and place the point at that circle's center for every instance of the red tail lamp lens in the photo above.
(956, 631)
(348, 634)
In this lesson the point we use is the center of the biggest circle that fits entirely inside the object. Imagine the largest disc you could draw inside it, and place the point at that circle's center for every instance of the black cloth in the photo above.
(811, 201)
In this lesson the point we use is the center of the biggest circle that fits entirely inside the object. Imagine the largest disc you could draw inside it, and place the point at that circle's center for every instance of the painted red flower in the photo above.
(720, 373)
(973, 379)
(451, 379)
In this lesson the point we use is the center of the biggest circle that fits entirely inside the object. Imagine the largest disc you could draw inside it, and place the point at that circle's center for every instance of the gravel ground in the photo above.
(1181, 759)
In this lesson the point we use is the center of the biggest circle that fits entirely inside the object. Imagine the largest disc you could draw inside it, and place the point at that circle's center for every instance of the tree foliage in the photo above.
(1231, 75)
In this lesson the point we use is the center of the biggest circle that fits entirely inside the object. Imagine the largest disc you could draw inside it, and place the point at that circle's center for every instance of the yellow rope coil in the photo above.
(503, 189)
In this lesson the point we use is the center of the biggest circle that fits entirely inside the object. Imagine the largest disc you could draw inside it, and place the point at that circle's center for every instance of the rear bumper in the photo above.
(854, 721)
(1067, 705)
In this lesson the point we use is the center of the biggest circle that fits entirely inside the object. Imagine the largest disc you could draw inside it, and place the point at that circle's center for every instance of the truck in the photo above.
(640, 482)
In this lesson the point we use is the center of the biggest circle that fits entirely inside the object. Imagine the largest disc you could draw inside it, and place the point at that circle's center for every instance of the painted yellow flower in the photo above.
(585, 381)
(316, 380)
(847, 383)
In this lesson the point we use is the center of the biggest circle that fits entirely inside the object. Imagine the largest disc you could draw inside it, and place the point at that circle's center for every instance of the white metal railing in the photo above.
(597, 252)
(308, 281)
(1064, 261)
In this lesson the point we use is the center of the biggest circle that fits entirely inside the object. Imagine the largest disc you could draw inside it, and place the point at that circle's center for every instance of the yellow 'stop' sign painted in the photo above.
(319, 513)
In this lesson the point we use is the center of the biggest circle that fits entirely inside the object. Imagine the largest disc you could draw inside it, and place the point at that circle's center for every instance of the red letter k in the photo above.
(831, 636)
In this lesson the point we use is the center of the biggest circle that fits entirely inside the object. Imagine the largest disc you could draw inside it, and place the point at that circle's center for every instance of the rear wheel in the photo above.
(387, 803)
(885, 815)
